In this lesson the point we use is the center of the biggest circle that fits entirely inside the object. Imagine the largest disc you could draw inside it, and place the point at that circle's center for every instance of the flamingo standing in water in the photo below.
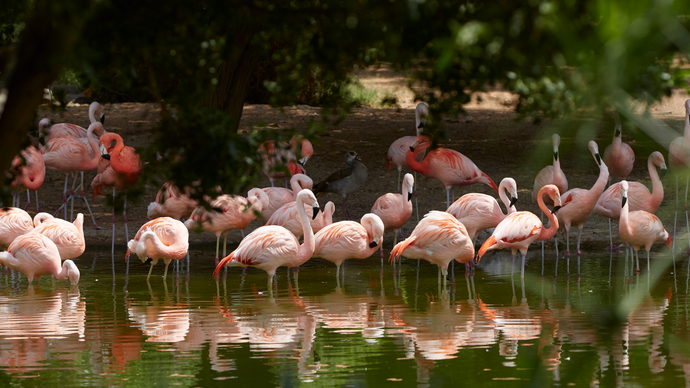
(50, 132)
(480, 211)
(397, 152)
(438, 238)
(123, 171)
(619, 157)
(69, 154)
(270, 247)
(449, 166)
(395, 209)
(640, 228)
(679, 159)
(639, 196)
(30, 175)
(578, 204)
(279, 196)
(170, 202)
(67, 236)
(14, 222)
(551, 175)
(349, 240)
(35, 255)
(235, 212)
(286, 216)
(163, 238)
(518, 230)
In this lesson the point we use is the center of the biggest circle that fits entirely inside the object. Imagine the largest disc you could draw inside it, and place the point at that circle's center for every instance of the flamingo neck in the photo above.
(115, 154)
(623, 225)
(306, 250)
(686, 133)
(504, 198)
(161, 249)
(657, 187)
(545, 233)
(93, 162)
(602, 180)
(64, 273)
(413, 163)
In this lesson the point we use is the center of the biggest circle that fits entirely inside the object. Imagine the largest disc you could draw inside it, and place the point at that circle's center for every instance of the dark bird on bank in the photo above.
(345, 181)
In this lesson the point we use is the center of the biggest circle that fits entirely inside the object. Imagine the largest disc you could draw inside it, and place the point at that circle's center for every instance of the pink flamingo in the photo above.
(349, 240)
(235, 212)
(30, 175)
(438, 238)
(518, 230)
(305, 151)
(64, 129)
(551, 175)
(286, 216)
(279, 196)
(578, 204)
(284, 155)
(170, 202)
(67, 236)
(123, 171)
(70, 154)
(449, 166)
(395, 209)
(397, 152)
(480, 211)
(36, 255)
(679, 159)
(640, 228)
(639, 196)
(619, 156)
(163, 238)
(270, 247)
(14, 222)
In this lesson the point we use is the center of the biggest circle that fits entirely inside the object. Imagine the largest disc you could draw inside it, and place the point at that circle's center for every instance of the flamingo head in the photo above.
(43, 127)
(421, 112)
(374, 226)
(658, 159)
(409, 181)
(307, 197)
(624, 192)
(594, 149)
(687, 107)
(72, 272)
(556, 141)
(555, 195)
(422, 140)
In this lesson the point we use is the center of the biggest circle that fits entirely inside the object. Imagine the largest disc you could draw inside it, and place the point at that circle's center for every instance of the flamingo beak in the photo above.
(105, 156)
(103, 119)
(555, 155)
(316, 212)
(303, 161)
(555, 209)
(409, 196)
(625, 199)
(598, 157)
(512, 201)
(373, 244)
(618, 133)
(662, 172)
(421, 125)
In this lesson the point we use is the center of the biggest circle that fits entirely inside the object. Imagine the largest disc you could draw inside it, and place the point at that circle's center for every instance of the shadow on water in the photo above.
(609, 326)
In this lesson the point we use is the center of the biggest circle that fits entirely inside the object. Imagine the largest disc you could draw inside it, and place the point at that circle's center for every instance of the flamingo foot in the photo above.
(567, 253)
(95, 226)
(613, 248)
(687, 251)
(27, 205)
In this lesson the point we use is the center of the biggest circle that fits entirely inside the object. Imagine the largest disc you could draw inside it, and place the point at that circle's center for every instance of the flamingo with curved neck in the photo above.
(163, 238)
(66, 129)
(31, 175)
(518, 230)
(279, 196)
(36, 255)
(551, 175)
(619, 157)
(272, 246)
(67, 236)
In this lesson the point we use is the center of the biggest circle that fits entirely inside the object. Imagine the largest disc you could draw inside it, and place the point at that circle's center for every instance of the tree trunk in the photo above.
(43, 46)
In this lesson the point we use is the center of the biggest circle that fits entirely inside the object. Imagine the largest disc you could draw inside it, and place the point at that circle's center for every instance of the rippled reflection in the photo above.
(380, 326)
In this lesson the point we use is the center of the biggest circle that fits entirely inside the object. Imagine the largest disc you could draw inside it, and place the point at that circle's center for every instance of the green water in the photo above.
(384, 325)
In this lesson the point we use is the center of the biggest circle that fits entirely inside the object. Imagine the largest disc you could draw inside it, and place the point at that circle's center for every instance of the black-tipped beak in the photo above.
(420, 126)
(105, 156)
(618, 133)
(316, 212)
(555, 156)
(373, 244)
(411, 148)
(512, 201)
(662, 172)
(625, 199)
(409, 196)
(300, 163)
(555, 209)
(103, 119)
(598, 157)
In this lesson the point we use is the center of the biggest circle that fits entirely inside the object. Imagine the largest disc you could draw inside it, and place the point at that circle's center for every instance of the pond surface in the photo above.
(383, 326)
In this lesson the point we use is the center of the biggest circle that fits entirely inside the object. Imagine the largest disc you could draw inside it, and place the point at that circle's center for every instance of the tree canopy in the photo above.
(201, 59)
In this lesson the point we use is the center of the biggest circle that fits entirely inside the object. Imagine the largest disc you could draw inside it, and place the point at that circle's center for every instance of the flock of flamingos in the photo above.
(45, 244)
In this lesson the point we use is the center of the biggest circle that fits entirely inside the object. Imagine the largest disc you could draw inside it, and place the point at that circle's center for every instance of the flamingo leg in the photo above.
(83, 196)
(217, 247)
(398, 186)
(150, 269)
(28, 199)
(648, 267)
(444, 274)
(37, 209)
(337, 271)
(447, 198)
(270, 285)
(165, 274)
(124, 217)
(522, 273)
(71, 199)
(64, 195)
(113, 239)
(416, 203)
(225, 243)
(637, 260)
(687, 224)
(579, 234)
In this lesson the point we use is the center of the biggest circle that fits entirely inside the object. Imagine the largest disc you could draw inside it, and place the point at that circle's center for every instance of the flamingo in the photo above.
(551, 175)
(279, 196)
(518, 230)
(346, 180)
(123, 171)
(170, 202)
(235, 212)
(397, 152)
(69, 154)
(35, 255)
(449, 166)
(619, 157)
(286, 216)
(395, 209)
(284, 154)
(640, 228)
(67, 236)
(163, 238)
(349, 240)
(306, 149)
(639, 196)
(438, 238)
(270, 247)
(65, 129)
(679, 159)
(30, 175)
(14, 222)
(578, 204)
(480, 211)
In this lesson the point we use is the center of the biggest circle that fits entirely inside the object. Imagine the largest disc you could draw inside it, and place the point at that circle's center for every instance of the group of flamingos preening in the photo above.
(39, 246)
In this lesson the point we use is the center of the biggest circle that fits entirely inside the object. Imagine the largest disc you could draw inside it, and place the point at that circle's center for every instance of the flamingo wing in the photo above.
(519, 227)
(267, 243)
(344, 234)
